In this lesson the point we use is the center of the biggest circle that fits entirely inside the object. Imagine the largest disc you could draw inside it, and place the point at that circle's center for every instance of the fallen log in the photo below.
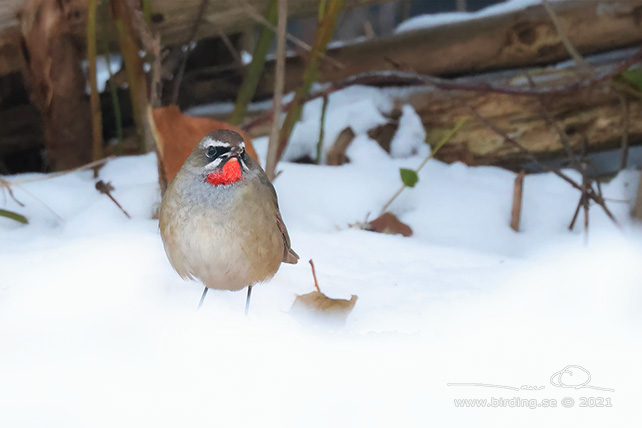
(595, 114)
(172, 19)
(515, 39)
(582, 107)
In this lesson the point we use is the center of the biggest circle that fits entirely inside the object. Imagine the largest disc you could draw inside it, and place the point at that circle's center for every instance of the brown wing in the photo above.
(289, 256)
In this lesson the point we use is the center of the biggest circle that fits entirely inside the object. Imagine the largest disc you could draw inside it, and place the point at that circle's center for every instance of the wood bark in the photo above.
(173, 19)
(517, 39)
(57, 84)
(594, 113)
(516, 210)
(637, 209)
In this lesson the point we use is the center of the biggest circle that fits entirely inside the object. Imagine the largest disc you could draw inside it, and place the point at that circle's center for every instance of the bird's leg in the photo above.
(202, 298)
(247, 300)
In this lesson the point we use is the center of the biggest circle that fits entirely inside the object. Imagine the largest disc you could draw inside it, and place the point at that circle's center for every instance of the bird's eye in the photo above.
(243, 154)
(212, 152)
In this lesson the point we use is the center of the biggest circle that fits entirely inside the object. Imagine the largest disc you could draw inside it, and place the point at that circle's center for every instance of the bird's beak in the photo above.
(236, 152)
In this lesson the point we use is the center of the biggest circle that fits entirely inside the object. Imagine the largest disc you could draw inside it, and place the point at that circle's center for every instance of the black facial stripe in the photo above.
(214, 152)
(243, 164)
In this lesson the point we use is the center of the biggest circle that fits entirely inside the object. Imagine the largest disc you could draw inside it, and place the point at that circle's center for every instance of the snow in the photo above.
(103, 68)
(98, 330)
(437, 19)
(410, 134)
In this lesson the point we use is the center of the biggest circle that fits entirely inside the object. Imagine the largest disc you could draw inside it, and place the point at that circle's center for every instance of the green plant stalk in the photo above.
(113, 90)
(321, 40)
(324, 108)
(255, 69)
(446, 138)
(147, 11)
(136, 78)
(14, 216)
(96, 119)
(323, 4)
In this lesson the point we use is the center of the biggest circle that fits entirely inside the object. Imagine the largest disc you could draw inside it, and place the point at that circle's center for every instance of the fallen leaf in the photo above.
(316, 305)
(390, 224)
(337, 154)
(383, 134)
(179, 133)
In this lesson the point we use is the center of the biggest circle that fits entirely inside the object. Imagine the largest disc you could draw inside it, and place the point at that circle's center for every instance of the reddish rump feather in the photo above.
(231, 173)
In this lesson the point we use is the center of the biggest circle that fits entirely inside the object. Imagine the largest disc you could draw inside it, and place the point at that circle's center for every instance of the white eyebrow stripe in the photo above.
(207, 142)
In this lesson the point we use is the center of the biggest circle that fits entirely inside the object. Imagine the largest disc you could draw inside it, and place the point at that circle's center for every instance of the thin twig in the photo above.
(324, 109)
(581, 64)
(106, 189)
(181, 70)
(5, 185)
(563, 136)
(113, 90)
(35, 198)
(447, 137)
(279, 84)
(314, 275)
(388, 78)
(322, 37)
(590, 192)
(230, 47)
(516, 211)
(252, 73)
(57, 174)
(257, 17)
(94, 96)
(580, 203)
(586, 184)
(624, 145)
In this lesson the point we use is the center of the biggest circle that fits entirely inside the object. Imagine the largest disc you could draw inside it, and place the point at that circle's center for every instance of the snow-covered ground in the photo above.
(97, 330)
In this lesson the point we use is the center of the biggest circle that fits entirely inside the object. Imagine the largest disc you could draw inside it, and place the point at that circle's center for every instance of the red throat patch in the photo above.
(231, 173)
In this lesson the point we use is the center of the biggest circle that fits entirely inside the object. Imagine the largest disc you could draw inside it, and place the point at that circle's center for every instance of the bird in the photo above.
(220, 221)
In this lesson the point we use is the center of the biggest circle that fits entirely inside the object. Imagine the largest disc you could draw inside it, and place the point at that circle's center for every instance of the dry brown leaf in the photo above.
(337, 154)
(318, 305)
(178, 133)
(390, 224)
(383, 134)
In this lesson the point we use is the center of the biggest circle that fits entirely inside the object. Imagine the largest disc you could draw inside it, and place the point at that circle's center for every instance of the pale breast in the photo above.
(228, 248)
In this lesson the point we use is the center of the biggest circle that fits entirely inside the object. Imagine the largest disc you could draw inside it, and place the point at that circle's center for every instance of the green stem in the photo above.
(96, 119)
(255, 69)
(113, 90)
(444, 139)
(147, 11)
(322, 37)
(322, 129)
